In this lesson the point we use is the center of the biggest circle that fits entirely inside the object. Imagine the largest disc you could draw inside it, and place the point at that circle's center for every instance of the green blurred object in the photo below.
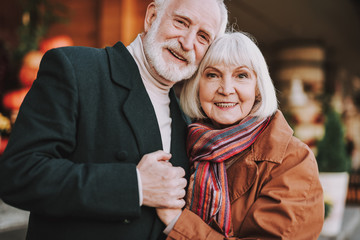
(328, 207)
(332, 155)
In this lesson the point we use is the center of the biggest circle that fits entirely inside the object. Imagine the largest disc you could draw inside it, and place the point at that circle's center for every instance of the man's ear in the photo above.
(150, 16)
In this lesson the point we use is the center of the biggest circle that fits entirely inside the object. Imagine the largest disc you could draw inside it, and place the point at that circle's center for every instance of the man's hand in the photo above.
(162, 184)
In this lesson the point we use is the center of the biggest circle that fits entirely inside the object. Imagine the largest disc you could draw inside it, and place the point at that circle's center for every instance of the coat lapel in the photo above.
(270, 146)
(142, 119)
(137, 107)
(241, 176)
(178, 134)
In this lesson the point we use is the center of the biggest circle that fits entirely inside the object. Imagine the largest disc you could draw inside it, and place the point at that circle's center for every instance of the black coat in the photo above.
(71, 158)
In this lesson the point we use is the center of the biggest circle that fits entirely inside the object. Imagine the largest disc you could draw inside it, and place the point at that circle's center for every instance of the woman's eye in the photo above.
(242, 75)
(211, 75)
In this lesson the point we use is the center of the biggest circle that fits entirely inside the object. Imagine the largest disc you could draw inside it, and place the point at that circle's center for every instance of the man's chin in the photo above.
(171, 79)
(174, 78)
(173, 72)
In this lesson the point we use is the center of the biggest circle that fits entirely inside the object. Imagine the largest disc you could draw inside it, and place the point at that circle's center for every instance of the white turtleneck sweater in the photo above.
(157, 90)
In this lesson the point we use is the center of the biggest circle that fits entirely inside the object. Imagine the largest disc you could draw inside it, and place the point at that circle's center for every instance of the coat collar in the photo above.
(123, 68)
(137, 106)
(270, 146)
(273, 142)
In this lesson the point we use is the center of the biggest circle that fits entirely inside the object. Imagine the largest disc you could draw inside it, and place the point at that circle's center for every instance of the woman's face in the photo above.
(227, 93)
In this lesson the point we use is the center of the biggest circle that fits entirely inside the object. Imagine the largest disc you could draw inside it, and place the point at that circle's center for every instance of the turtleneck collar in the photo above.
(136, 49)
(158, 92)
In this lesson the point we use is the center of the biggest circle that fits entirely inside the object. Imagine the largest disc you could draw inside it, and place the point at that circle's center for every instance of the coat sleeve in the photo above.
(37, 170)
(289, 204)
(190, 226)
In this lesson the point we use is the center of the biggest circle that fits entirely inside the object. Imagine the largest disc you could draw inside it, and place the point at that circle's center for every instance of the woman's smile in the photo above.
(225, 104)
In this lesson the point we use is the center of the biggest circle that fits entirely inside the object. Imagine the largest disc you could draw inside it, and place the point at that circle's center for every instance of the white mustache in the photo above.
(174, 45)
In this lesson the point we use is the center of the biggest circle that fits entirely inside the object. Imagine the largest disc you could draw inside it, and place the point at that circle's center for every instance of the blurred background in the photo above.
(312, 48)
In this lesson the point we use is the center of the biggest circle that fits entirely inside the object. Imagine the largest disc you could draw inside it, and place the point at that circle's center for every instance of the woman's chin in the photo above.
(224, 124)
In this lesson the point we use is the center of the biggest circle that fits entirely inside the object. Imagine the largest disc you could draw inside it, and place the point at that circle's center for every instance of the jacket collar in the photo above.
(272, 143)
(270, 146)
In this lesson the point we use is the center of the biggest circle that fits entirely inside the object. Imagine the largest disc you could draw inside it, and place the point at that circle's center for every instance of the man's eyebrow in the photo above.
(183, 15)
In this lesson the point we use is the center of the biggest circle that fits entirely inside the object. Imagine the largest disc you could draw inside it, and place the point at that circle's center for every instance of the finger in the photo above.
(156, 156)
(179, 172)
(166, 163)
(181, 193)
(180, 203)
(162, 156)
(174, 173)
(176, 203)
(182, 182)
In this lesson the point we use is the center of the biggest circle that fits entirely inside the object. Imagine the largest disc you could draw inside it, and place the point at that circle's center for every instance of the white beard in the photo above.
(168, 70)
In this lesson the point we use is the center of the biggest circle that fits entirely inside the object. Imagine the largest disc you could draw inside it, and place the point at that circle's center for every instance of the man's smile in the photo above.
(177, 55)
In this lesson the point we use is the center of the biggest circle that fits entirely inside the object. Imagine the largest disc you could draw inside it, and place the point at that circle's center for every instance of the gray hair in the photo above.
(161, 6)
(233, 48)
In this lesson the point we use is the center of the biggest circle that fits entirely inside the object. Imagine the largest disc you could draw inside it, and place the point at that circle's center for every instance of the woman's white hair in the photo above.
(233, 48)
(161, 8)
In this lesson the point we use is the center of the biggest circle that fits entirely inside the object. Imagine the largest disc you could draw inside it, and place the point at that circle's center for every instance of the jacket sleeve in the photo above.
(289, 204)
(190, 226)
(37, 170)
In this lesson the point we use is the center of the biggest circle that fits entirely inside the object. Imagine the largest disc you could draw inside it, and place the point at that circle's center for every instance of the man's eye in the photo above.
(179, 22)
(204, 38)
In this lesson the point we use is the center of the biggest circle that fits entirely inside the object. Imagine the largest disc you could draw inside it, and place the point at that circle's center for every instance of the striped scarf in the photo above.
(207, 149)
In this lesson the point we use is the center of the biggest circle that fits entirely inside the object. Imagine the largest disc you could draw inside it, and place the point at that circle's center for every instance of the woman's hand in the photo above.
(166, 215)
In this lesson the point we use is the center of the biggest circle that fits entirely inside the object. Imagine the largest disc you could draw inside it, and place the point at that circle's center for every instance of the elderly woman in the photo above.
(251, 178)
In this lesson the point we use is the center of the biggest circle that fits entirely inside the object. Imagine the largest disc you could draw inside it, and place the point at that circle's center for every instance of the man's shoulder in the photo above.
(81, 52)
(89, 53)
(91, 58)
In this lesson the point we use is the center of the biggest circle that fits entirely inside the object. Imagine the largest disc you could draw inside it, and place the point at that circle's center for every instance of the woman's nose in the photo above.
(226, 87)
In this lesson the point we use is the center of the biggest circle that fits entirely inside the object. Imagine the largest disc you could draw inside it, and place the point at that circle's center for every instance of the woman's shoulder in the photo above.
(278, 143)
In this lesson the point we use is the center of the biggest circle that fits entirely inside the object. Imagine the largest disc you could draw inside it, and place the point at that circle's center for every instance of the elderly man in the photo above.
(99, 141)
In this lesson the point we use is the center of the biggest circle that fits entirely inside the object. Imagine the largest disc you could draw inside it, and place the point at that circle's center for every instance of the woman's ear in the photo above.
(257, 94)
(150, 16)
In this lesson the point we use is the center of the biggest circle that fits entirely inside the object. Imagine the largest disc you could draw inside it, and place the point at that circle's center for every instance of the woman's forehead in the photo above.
(233, 60)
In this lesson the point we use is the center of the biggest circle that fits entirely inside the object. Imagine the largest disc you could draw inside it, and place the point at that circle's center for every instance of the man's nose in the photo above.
(187, 40)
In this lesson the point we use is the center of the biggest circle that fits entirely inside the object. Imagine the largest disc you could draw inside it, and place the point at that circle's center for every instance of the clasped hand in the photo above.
(163, 185)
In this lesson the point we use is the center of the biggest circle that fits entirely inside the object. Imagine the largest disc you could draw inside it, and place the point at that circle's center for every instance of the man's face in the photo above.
(178, 37)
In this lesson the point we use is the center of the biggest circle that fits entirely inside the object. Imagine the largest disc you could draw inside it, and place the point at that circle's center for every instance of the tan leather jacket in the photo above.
(274, 190)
